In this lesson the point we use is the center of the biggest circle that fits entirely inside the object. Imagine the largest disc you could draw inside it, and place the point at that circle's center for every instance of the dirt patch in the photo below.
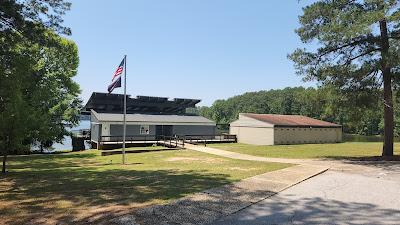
(192, 159)
(241, 169)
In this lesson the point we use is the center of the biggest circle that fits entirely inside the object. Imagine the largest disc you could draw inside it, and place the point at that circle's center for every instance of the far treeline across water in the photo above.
(358, 113)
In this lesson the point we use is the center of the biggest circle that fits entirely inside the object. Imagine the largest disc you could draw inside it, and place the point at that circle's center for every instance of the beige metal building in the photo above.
(272, 129)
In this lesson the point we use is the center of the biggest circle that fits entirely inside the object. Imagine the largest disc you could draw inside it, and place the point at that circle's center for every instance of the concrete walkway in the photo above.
(217, 203)
(234, 155)
(336, 165)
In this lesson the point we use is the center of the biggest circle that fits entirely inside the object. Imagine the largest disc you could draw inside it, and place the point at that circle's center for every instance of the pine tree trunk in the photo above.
(387, 91)
(388, 115)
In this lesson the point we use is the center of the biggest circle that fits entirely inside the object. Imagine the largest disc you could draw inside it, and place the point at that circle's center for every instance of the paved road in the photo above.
(344, 195)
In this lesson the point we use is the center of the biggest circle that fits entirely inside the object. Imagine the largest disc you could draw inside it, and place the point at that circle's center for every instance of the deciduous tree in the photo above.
(38, 97)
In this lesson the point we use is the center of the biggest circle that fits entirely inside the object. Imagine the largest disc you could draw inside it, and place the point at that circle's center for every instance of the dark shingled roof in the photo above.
(290, 120)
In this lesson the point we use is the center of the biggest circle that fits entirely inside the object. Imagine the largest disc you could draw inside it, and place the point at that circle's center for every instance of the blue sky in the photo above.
(205, 49)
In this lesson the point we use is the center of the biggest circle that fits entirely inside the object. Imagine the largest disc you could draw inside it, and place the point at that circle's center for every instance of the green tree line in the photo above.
(357, 113)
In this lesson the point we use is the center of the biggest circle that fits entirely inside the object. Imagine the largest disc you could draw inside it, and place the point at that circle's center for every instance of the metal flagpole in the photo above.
(124, 137)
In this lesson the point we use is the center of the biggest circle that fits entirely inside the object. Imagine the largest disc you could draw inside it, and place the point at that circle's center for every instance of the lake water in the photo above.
(67, 143)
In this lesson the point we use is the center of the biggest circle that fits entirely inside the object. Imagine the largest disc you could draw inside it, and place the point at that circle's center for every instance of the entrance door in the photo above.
(165, 130)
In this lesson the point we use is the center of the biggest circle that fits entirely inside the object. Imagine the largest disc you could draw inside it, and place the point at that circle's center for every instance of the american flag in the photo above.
(116, 80)
(119, 70)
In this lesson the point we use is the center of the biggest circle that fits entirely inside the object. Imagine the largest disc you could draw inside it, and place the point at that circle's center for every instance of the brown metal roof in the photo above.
(290, 120)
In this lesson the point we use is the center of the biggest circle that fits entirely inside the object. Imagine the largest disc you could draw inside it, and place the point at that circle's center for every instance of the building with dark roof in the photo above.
(148, 118)
(113, 103)
(273, 129)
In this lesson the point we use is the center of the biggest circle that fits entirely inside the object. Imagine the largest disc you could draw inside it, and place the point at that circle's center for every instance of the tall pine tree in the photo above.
(354, 45)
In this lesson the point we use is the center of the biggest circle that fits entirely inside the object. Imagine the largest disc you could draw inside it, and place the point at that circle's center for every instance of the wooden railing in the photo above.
(173, 141)
(204, 139)
(129, 138)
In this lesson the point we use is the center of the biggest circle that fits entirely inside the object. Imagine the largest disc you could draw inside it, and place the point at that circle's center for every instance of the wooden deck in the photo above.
(113, 142)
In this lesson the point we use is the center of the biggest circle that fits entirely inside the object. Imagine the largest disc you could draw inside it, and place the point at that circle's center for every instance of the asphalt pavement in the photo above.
(347, 194)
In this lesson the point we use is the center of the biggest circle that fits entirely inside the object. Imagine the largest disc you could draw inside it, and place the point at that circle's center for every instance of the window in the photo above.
(144, 129)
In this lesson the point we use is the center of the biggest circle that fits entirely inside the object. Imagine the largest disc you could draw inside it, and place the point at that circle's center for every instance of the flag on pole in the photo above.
(116, 80)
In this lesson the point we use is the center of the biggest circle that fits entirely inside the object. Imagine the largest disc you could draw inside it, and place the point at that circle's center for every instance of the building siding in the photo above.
(193, 130)
(132, 130)
(117, 130)
(290, 135)
(94, 132)
(181, 125)
(254, 135)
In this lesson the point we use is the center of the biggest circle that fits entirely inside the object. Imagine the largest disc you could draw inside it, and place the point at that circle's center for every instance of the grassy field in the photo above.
(339, 150)
(84, 186)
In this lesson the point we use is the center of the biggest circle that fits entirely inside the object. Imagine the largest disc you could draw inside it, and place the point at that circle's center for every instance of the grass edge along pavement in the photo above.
(217, 203)
(345, 150)
(82, 186)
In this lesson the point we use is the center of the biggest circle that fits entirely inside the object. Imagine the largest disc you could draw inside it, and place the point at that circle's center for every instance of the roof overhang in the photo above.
(144, 119)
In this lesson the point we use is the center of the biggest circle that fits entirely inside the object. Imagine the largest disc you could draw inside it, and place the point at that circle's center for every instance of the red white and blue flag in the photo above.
(116, 80)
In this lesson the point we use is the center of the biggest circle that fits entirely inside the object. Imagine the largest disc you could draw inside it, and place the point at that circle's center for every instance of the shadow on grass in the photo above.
(39, 193)
(49, 161)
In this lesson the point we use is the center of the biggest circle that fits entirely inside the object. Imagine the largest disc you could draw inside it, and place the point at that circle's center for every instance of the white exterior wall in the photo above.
(252, 131)
(244, 121)
(254, 135)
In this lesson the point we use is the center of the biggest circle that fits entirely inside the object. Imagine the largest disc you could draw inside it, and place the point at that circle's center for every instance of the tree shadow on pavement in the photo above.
(388, 163)
(316, 210)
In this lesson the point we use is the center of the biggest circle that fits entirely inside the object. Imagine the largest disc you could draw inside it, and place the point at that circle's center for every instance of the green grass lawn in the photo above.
(75, 186)
(339, 150)
(140, 148)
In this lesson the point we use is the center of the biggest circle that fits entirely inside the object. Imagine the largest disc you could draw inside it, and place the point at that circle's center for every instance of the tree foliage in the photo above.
(325, 103)
(354, 47)
(38, 97)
